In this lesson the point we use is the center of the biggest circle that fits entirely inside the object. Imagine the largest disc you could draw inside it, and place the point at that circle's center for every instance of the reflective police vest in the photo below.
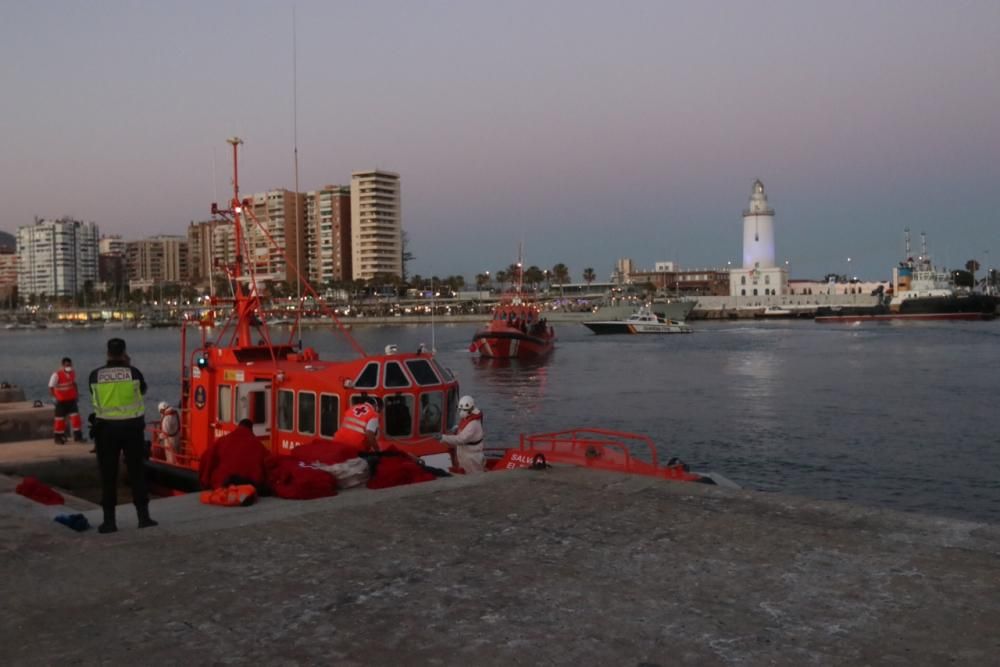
(65, 389)
(116, 394)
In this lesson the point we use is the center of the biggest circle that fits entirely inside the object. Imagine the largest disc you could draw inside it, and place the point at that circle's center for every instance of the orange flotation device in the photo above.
(235, 495)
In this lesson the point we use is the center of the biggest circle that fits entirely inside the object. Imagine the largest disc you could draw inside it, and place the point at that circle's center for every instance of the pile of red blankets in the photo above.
(240, 458)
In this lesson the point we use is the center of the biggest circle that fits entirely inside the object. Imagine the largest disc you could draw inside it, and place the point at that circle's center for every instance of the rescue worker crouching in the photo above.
(466, 443)
(116, 392)
(359, 425)
(62, 386)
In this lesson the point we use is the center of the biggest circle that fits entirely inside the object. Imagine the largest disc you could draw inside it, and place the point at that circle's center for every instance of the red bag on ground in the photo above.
(288, 478)
(31, 488)
(326, 452)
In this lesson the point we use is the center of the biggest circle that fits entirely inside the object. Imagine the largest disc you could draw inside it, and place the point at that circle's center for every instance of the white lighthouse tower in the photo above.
(758, 231)
(759, 276)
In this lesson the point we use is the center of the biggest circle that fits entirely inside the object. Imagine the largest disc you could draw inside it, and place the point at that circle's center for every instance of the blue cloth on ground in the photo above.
(77, 522)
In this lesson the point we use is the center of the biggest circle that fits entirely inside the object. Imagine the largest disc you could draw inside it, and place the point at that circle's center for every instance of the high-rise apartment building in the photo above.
(111, 245)
(376, 225)
(160, 259)
(328, 234)
(111, 271)
(8, 274)
(279, 234)
(211, 246)
(56, 257)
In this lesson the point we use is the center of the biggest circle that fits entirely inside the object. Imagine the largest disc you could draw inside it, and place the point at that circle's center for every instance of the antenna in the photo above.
(299, 227)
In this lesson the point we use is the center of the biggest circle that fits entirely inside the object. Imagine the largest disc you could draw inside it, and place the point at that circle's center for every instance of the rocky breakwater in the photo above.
(21, 419)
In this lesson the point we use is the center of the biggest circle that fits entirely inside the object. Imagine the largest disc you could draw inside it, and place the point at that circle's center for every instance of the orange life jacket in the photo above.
(235, 495)
(65, 389)
(353, 425)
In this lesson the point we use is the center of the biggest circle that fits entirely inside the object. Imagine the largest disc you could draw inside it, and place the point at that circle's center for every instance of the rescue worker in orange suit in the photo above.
(466, 443)
(359, 425)
(170, 431)
(62, 386)
(116, 392)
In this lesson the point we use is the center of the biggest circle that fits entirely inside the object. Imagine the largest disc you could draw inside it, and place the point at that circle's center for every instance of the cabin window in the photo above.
(307, 412)
(286, 409)
(225, 403)
(394, 375)
(422, 372)
(452, 408)
(444, 372)
(368, 378)
(431, 410)
(329, 414)
(399, 416)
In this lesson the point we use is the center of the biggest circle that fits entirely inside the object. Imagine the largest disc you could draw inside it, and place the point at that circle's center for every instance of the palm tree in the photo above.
(560, 274)
(533, 276)
(502, 277)
(589, 276)
(482, 281)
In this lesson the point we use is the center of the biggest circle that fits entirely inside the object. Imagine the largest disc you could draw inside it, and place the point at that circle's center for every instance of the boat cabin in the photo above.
(294, 397)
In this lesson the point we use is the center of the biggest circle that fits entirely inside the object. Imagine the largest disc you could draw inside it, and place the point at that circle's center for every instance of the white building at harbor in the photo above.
(759, 276)
(56, 258)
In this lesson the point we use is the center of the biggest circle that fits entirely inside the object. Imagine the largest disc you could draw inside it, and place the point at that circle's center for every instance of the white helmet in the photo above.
(163, 406)
(466, 404)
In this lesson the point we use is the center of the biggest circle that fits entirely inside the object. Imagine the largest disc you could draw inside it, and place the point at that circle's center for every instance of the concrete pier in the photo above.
(562, 566)
(23, 420)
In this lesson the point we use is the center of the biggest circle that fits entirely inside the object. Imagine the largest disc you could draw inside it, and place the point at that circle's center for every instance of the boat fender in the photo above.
(538, 462)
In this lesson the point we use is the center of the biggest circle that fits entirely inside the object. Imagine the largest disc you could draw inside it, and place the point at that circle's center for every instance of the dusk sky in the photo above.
(588, 130)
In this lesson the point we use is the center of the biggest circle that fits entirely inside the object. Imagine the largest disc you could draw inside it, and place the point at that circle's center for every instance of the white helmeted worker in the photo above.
(170, 431)
(467, 441)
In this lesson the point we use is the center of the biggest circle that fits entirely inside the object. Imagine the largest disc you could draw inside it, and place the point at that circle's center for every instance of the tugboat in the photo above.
(642, 321)
(516, 331)
(291, 395)
(919, 292)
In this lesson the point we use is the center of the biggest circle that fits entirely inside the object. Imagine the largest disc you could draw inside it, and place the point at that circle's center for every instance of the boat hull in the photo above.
(971, 307)
(608, 328)
(925, 317)
(511, 344)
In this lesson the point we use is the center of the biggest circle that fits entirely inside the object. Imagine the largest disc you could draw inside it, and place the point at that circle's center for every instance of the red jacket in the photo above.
(236, 454)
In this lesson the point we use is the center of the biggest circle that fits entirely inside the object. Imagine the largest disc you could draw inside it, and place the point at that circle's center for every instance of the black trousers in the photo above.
(112, 438)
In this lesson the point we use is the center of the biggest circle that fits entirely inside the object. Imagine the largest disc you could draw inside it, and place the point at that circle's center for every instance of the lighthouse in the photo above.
(758, 230)
(759, 277)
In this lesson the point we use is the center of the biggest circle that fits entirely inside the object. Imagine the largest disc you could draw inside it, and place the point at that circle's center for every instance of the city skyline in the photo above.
(584, 131)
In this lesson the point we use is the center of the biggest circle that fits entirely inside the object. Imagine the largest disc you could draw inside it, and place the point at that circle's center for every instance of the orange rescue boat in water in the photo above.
(291, 395)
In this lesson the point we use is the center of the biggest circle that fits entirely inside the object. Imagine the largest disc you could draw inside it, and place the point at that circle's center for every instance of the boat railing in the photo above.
(593, 444)
(598, 448)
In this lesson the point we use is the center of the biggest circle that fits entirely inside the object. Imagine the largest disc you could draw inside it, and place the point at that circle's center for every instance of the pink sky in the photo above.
(589, 130)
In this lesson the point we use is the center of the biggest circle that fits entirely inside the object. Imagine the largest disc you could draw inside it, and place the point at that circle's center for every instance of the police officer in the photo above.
(116, 391)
